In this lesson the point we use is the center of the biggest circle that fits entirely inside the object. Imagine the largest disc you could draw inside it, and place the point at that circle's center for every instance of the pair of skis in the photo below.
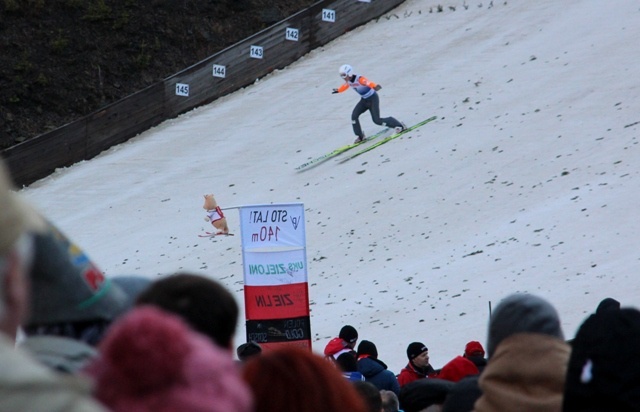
(390, 138)
(338, 151)
(213, 234)
(343, 149)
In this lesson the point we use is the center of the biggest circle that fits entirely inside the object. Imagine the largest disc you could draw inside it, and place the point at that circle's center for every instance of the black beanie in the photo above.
(608, 304)
(367, 348)
(348, 333)
(414, 349)
(246, 350)
(603, 371)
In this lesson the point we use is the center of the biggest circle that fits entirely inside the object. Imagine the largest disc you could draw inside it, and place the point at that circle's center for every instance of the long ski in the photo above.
(390, 138)
(212, 234)
(338, 151)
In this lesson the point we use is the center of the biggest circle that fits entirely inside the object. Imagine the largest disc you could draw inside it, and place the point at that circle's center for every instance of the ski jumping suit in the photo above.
(369, 101)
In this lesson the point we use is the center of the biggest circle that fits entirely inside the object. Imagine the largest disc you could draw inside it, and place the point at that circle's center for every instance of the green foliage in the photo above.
(122, 21)
(24, 64)
(97, 10)
(74, 4)
(42, 80)
(27, 6)
(59, 43)
(11, 5)
(143, 58)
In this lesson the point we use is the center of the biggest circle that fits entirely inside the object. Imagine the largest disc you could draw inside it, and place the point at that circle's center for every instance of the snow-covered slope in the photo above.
(528, 181)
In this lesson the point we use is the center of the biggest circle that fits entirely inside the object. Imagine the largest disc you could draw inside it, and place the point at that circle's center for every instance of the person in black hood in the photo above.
(374, 370)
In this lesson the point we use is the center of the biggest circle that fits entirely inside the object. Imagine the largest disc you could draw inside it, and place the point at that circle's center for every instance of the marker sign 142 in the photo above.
(291, 34)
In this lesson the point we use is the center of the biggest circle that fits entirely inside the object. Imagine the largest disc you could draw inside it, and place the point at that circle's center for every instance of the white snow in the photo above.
(527, 182)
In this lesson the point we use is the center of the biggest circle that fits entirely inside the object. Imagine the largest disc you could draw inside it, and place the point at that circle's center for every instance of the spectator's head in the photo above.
(390, 401)
(520, 313)
(607, 304)
(421, 394)
(418, 354)
(603, 371)
(18, 225)
(370, 395)
(349, 334)
(473, 349)
(367, 348)
(70, 296)
(248, 350)
(317, 384)
(347, 362)
(206, 305)
(152, 361)
(463, 395)
(457, 369)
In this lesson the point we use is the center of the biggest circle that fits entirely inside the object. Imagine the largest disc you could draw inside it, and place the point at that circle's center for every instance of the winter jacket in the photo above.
(376, 372)
(479, 361)
(412, 373)
(525, 374)
(336, 347)
(26, 385)
(353, 376)
(59, 353)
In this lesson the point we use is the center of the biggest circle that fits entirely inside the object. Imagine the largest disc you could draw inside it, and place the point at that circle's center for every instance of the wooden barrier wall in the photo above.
(223, 73)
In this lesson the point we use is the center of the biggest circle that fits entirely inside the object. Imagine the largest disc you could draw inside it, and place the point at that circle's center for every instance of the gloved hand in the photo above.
(334, 91)
(378, 87)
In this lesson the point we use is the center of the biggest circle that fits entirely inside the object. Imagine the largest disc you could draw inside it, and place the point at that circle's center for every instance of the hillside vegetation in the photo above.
(64, 59)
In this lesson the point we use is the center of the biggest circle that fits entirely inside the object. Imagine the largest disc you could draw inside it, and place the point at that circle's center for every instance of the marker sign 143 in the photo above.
(256, 52)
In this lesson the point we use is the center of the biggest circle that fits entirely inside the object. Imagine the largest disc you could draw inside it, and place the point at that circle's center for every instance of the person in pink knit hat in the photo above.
(151, 360)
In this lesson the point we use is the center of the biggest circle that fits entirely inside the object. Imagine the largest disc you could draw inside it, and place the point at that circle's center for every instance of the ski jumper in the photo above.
(369, 100)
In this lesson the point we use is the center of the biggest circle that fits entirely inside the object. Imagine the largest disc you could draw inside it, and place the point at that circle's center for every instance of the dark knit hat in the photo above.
(67, 287)
(520, 313)
(418, 395)
(367, 348)
(608, 304)
(247, 350)
(473, 348)
(348, 333)
(416, 348)
(603, 371)
(347, 362)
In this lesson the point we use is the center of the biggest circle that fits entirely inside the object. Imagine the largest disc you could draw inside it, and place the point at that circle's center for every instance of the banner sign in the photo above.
(275, 274)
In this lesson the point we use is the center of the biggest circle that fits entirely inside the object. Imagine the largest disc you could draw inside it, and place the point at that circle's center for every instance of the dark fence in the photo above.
(223, 73)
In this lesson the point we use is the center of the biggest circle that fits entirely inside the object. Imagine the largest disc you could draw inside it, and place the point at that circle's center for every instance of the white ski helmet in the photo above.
(345, 71)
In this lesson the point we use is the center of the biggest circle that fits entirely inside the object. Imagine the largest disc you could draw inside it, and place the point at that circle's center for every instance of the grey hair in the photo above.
(390, 401)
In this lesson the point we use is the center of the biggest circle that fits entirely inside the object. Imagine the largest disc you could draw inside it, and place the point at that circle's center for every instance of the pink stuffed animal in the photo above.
(215, 215)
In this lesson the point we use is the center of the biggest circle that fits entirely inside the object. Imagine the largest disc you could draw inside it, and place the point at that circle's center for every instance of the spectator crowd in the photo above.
(72, 339)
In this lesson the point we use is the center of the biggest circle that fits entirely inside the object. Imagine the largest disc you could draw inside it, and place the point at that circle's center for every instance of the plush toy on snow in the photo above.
(215, 215)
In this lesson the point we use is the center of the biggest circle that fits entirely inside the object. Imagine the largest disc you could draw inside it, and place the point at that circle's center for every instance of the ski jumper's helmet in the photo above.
(345, 71)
